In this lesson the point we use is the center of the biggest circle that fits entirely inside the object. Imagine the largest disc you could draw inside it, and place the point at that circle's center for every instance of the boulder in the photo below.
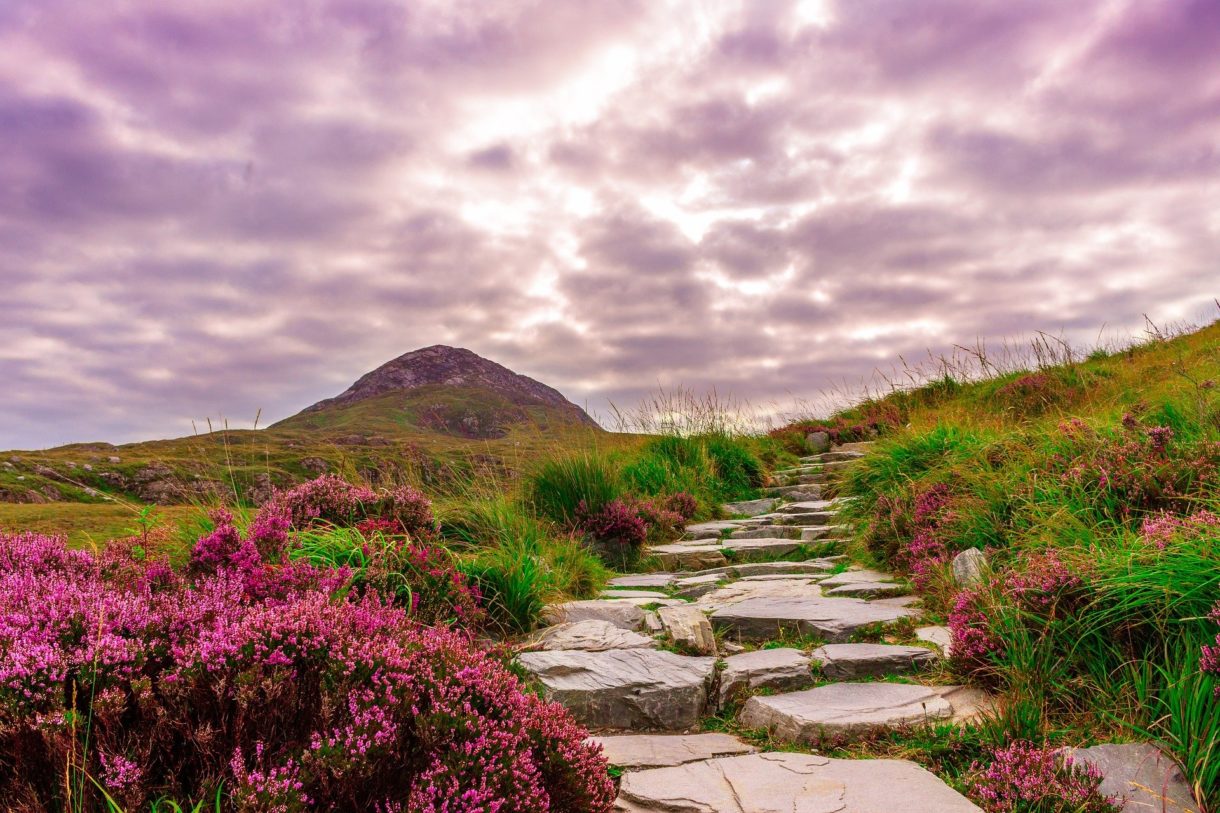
(637, 689)
(591, 636)
(1147, 779)
(843, 661)
(789, 783)
(688, 628)
(780, 669)
(622, 614)
(639, 751)
(817, 442)
(969, 567)
(851, 708)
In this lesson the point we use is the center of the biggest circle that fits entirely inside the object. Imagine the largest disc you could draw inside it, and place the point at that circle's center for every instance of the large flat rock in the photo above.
(1148, 780)
(749, 508)
(637, 689)
(621, 613)
(805, 507)
(767, 532)
(748, 549)
(848, 708)
(591, 636)
(689, 557)
(640, 751)
(790, 586)
(643, 580)
(763, 617)
(789, 783)
(842, 661)
(779, 669)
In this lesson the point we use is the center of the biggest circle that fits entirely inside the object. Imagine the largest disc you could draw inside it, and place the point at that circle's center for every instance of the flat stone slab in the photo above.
(633, 594)
(792, 587)
(622, 614)
(806, 518)
(806, 491)
(780, 669)
(750, 508)
(839, 455)
(767, 532)
(857, 577)
(640, 751)
(789, 783)
(939, 636)
(1148, 780)
(867, 589)
(643, 580)
(751, 548)
(849, 708)
(843, 661)
(806, 507)
(688, 627)
(591, 636)
(715, 526)
(761, 618)
(696, 586)
(689, 557)
(637, 689)
(819, 533)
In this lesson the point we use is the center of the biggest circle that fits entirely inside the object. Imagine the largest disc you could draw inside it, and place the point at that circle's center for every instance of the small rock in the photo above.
(939, 636)
(688, 627)
(817, 442)
(780, 669)
(589, 636)
(114, 459)
(636, 751)
(969, 567)
(622, 614)
(87, 467)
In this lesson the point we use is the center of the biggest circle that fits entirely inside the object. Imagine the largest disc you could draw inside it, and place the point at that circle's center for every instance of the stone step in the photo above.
(767, 532)
(805, 507)
(795, 492)
(867, 590)
(625, 593)
(634, 752)
(858, 446)
(779, 669)
(635, 689)
(793, 783)
(806, 518)
(741, 570)
(693, 587)
(838, 456)
(689, 557)
(836, 710)
(763, 617)
(592, 636)
(753, 550)
(643, 580)
(622, 614)
(710, 529)
(824, 532)
(849, 661)
(750, 508)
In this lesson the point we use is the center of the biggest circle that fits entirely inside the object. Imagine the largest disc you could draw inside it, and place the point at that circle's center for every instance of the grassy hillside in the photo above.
(1093, 486)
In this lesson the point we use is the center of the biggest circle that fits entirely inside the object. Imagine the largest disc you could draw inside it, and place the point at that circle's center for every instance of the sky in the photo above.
(211, 209)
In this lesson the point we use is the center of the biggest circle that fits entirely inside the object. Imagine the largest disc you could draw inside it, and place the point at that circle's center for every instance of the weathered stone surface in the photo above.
(940, 636)
(807, 519)
(799, 491)
(633, 594)
(749, 508)
(638, 689)
(791, 587)
(841, 661)
(845, 708)
(760, 618)
(858, 446)
(856, 577)
(640, 751)
(1148, 780)
(643, 580)
(767, 532)
(868, 589)
(969, 567)
(804, 507)
(899, 601)
(818, 442)
(622, 614)
(696, 586)
(689, 628)
(592, 636)
(651, 602)
(781, 669)
(747, 549)
(717, 526)
(789, 783)
(823, 532)
(839, 455)
(689, 557)
(810, 566)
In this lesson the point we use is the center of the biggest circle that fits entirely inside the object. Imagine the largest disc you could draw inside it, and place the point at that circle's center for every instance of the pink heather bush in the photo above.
(683, 504)
(1163, 528)
(1210, 660)
(288, 696)
(973, 642)
(330, 499)
(617, 531)
(1045, 585)
(1029, 778)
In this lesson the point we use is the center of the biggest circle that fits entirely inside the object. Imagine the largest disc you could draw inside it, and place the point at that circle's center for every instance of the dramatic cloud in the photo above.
(211, 208)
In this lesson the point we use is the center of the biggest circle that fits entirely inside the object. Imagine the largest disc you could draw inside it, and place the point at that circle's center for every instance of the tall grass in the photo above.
(562, 488)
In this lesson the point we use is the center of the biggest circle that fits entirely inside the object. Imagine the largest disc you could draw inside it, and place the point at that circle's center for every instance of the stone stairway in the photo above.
(757, 617)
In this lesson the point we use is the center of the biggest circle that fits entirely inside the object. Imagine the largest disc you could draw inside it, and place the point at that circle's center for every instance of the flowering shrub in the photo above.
(1035, 393)
(1210, 660)
(1029, 778)
(661, 523)
(1163, 528)
(155, 685)
(973, 642)
(617, 531)
(330, 499)
(683, 504)
(1045, 585)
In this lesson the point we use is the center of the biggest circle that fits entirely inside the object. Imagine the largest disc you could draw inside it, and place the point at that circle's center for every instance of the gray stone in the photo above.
(766, 532)
(810, 566)
(761, 618)
(842, 661)
(592, 636)
(644, 580)
(696, 586)
(857, 577)
(749, 508)
(780, 669)
(969, 567)
(818, 442)
(790, 587)
(799, 491)
(1140, 773)
(822, 533)
(689, 628)
(858, 446)
(789, 783)
(716, 525)
(851, 708)
(745, 550)
(805, 507)
(940, 636)
(839, 456)
(638, 751)
(638, 689)
(626, 594)
(867, 589)
(689, 557)
(807, 519)
(899, 601)
(622, 614)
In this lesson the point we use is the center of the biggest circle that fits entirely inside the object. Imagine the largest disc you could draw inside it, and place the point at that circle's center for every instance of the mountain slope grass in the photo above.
(1094, 488)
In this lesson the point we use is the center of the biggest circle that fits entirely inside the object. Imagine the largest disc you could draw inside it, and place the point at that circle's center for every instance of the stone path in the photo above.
(753, 615)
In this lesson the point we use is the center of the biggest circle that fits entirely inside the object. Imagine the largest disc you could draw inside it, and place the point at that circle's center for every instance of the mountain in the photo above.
(442, 389)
